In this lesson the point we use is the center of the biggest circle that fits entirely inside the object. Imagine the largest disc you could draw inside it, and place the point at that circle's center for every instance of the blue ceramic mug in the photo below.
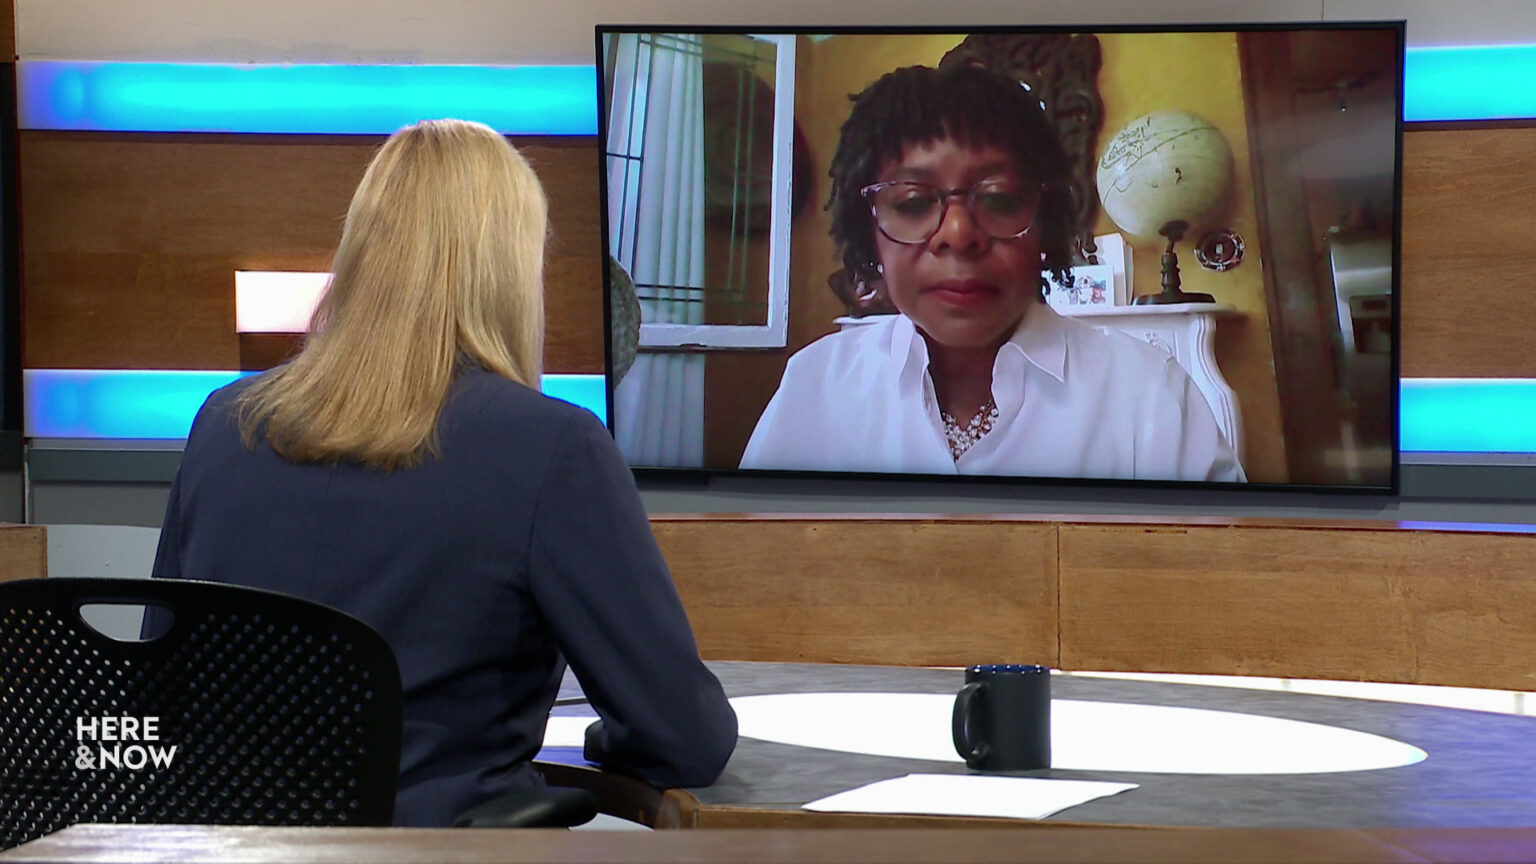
(1002, 719)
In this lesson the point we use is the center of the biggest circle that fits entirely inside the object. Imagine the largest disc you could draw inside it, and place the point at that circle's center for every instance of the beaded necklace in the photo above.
(963, 438)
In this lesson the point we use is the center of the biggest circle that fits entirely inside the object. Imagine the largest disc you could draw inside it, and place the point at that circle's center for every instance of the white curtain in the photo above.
(656, 231)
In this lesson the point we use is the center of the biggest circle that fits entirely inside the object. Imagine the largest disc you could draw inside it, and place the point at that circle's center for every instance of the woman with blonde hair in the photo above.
(405, 468)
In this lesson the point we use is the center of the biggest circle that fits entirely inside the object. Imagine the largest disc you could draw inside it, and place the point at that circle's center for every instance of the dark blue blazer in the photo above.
(521, 546)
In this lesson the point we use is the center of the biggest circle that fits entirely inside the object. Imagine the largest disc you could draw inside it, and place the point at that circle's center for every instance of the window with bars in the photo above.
(698, 153)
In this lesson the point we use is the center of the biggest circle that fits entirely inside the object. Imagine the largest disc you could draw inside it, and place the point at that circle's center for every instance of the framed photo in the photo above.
(1116, 253)
(1090, 285)
(1101, 285)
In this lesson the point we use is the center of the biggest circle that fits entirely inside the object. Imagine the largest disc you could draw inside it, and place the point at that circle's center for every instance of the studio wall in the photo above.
(560, 31)
(130, 239)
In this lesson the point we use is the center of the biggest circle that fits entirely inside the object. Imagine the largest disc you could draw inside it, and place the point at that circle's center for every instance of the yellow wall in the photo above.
(1200, 73)
(1196, 72)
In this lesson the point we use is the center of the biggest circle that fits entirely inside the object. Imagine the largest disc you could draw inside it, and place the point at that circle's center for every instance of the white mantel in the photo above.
(1188, 332)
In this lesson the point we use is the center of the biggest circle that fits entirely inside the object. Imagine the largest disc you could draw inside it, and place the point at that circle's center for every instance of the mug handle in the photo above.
(965, 702)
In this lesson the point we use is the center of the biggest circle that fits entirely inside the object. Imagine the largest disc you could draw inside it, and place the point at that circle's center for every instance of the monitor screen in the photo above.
(1162, 255)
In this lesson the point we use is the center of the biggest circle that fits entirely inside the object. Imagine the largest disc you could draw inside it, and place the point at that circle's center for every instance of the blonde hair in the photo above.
(440, 265)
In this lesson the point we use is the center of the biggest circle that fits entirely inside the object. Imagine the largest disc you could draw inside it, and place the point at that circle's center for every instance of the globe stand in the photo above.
(1171, 293)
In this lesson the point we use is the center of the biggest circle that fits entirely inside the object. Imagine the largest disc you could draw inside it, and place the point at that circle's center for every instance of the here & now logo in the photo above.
(120, 742)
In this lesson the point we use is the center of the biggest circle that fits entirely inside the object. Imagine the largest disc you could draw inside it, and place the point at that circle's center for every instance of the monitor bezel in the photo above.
(702, 475)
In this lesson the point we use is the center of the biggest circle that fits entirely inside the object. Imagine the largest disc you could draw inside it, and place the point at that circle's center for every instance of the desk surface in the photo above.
(94, 844)
(1478, 773)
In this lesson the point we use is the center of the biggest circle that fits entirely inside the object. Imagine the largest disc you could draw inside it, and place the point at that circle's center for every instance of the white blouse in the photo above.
(1072, 400)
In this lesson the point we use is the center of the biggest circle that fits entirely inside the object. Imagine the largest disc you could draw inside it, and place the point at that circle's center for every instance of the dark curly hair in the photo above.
(971, 104)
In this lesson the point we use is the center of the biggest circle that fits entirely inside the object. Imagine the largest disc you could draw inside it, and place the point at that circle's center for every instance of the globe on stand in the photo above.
(1160, 174)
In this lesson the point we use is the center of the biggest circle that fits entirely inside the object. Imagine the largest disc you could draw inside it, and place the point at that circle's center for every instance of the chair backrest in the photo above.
(253, 708)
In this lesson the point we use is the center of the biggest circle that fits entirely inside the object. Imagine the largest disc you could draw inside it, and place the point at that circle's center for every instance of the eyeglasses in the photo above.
(911, 213)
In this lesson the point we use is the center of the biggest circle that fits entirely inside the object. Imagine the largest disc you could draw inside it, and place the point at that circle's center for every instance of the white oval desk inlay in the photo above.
(1085, 736)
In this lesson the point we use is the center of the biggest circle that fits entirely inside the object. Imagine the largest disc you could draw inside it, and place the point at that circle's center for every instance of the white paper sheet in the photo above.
(968, 795)
(567, 731)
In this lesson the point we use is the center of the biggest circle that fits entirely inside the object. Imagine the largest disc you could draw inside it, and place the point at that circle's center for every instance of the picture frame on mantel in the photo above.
(1100, 285)
(1089, 285)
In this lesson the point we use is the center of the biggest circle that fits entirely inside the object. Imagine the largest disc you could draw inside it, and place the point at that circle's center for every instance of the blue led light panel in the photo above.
(372, 100)
(1451, 83)
(1496, 82)
(1459, 415)
(159, 403)
(1468, 415)
(114, 403)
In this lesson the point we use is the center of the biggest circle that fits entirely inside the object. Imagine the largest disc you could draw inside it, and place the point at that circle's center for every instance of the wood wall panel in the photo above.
(137, 233)
(1468, 230)
(573, 276)
(896, 592)
(23, 552)
(1344, 600)
(130, 242)
(1377, 605)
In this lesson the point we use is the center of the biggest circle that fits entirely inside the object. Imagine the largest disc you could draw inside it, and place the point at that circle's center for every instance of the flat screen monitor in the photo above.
(1108, 255)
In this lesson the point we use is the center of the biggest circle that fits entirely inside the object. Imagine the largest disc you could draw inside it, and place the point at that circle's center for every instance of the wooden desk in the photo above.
(1478, 773)
(97, 844)
(1472, 800)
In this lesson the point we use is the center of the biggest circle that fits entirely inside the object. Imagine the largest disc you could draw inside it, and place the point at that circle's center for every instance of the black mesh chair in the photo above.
(269, 710)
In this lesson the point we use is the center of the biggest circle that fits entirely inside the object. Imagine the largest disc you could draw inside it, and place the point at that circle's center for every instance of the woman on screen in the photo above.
(406, 469)
(951, 188)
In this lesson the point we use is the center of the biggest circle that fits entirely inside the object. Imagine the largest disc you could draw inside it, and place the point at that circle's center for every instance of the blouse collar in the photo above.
(1040, 338)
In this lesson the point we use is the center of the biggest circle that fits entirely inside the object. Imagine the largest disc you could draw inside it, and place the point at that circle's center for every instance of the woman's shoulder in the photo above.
(222, 402)
(231, 391)
(491, 398)
(867, 340)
